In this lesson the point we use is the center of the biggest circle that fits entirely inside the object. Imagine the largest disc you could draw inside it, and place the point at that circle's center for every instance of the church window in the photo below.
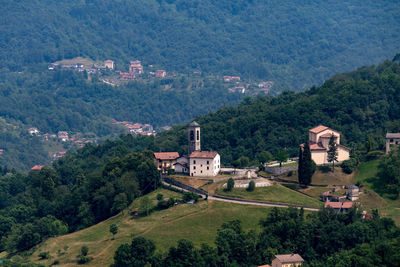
(194, 167)
(198, 135)
(194, 162)
(208, 162)
(208, 168)
(191, 136)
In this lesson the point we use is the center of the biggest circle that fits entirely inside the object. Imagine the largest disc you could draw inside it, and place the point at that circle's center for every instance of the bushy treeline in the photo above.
(323, 238)
(294, 44)
(363, 105)
(81, 189)
(388, 181)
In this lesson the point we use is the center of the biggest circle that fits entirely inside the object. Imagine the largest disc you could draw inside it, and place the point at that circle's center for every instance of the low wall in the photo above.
(280, 170)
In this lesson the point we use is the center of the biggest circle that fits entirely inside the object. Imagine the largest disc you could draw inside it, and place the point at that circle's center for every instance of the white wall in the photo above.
(205, 167)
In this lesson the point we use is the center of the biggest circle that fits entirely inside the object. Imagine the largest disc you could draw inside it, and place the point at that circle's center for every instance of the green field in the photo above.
(274, 193)
(197, 222)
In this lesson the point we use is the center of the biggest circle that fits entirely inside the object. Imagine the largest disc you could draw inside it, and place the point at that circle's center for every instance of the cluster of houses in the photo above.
(63, 136)
(197, 163)
(136, 128)
(135, 69)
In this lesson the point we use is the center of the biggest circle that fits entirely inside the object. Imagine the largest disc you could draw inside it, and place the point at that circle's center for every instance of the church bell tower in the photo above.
(194, 137)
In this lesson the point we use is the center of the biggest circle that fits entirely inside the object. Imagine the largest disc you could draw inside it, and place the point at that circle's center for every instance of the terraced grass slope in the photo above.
(198, 223)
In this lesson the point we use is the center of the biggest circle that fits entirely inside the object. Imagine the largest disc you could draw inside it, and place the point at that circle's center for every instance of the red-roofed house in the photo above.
(341, 206)
(37, 168)
(287, 260)
(165, 160)
(204, 163)
(318, 140)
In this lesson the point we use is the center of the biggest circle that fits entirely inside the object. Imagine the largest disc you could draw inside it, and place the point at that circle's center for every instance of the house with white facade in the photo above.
(204, 163)
(319, 145)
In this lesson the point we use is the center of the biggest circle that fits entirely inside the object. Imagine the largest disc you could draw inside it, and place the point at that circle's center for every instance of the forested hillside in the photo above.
(82, 189)
(362, 104)
(62, 100)
(296, 44)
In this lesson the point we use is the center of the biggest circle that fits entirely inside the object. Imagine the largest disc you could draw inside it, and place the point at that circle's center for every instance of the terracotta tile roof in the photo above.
(166, 155)
(316, 147)
(288, 258)
(37, 168)
(203, 154)
(393, 135)
(267, 265)
(318, 129)
(334, 205)
(348, 205)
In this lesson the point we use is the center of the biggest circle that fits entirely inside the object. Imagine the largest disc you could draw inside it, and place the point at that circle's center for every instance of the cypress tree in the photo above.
(300, 170)
(332, 151)
(307, 165)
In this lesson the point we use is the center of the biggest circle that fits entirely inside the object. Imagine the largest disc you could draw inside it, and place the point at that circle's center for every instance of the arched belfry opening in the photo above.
(194, 138)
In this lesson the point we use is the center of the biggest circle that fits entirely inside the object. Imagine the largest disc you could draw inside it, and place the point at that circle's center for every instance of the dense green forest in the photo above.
(362, 105)
(322, 239)
(296, 44)
(82, 189)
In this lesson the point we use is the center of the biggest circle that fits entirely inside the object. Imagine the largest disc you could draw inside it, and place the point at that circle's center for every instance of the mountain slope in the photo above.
(295, 44)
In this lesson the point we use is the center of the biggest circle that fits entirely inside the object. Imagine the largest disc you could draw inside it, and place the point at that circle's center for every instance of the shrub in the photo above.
(290, 173)
(44, 255)
(230, 184)
(84, 260)
(348, 166)
(84, 250)
(187, 196)
(324, 168)
(374, 155)
(251, 186)
(160, 197)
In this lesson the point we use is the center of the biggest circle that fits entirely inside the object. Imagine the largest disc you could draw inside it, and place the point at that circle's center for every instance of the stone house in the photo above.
(165, 160)
(391, 140)
(318, 140)
(287, 260)
(204, 163)
(109, 64)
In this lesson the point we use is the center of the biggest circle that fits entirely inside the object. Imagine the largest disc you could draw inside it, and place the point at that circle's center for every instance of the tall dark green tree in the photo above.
(300, 169)
(308, 170)
(332, 151)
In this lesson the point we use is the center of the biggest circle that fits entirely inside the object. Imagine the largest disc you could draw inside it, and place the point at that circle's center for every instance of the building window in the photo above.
(194, 162)
(194, 167)
(391, 140)
(198, 135)
(191, 136)
(201, 165)
(201, 171)
(208, 168)
(208, 162)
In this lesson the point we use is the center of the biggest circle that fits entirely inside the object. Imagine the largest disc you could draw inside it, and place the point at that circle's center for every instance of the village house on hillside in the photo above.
(109, 64)
(318, 141)
(33, 131)
(165, 160)
(391, 140)
(196, 163)
(286, 260)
